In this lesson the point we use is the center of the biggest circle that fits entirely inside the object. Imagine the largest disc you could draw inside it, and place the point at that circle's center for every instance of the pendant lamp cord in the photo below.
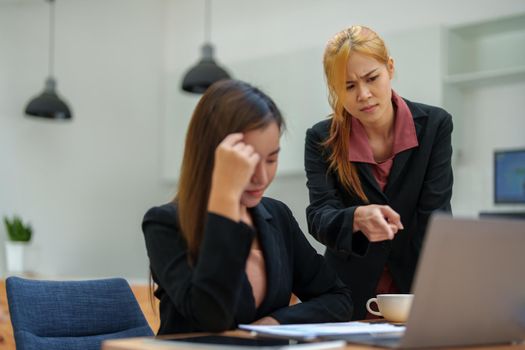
(207, 22)
(51, 37)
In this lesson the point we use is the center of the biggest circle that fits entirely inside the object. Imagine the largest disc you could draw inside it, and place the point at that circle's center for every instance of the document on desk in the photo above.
(316, 330)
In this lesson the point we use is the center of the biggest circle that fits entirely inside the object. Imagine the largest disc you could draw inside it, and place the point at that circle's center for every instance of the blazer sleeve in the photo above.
(206, 293)
(436, 191)
(324, 298)
(330, 221)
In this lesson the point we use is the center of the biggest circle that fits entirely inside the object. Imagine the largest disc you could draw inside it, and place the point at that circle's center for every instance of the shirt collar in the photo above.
(405, 137)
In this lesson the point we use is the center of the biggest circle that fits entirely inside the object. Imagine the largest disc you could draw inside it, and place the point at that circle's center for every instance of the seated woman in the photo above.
(220, 253)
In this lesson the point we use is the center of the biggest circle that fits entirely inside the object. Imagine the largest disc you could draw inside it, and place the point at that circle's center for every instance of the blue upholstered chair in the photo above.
(72, 315)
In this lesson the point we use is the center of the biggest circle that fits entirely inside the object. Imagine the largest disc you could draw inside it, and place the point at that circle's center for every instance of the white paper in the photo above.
(314, 330)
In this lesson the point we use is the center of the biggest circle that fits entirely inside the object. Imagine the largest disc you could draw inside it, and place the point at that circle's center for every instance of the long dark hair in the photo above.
(226, 107)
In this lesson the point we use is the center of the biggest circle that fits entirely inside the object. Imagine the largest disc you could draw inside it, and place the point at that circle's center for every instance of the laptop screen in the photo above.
(469, 287)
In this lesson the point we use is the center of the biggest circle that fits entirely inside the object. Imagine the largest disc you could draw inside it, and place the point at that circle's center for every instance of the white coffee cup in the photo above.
(393, 307)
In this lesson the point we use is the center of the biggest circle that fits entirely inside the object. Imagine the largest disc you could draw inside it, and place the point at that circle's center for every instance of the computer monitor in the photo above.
(509, 176)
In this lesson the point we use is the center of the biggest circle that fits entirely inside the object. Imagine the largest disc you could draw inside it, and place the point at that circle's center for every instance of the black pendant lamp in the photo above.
(199, 77)
(48, 104)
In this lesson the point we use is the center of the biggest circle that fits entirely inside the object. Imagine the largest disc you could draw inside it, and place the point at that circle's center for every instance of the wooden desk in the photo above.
(141, 291)
(144, 344)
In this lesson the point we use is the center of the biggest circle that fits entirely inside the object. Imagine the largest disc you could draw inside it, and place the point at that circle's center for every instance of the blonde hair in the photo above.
(337, 52)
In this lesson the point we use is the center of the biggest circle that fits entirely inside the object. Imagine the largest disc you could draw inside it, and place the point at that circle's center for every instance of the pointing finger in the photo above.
(392, 216)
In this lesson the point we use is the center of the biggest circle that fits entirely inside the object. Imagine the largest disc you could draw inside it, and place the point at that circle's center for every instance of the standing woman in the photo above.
(220, 253)
(376, 169)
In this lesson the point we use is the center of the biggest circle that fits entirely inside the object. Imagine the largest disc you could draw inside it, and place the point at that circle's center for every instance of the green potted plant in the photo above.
(19, 235)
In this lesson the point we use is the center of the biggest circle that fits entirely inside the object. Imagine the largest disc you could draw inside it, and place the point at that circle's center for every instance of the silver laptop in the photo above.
(469, 286)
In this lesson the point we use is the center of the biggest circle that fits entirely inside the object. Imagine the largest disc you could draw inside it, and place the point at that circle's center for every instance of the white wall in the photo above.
(493, 120)
(85, 185)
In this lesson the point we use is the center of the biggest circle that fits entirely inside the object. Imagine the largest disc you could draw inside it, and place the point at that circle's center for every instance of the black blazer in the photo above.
(419, 183)
(215, 294)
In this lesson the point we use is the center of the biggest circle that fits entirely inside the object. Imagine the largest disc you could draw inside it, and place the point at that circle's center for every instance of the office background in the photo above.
(84, 185)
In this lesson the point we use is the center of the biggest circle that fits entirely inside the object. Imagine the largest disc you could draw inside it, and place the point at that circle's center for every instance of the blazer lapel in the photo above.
(397, 167)
(268, 239)
(365, 171)
(401, 159)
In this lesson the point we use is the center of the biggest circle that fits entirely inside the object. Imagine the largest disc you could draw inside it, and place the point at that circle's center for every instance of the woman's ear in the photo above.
(390, 67)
